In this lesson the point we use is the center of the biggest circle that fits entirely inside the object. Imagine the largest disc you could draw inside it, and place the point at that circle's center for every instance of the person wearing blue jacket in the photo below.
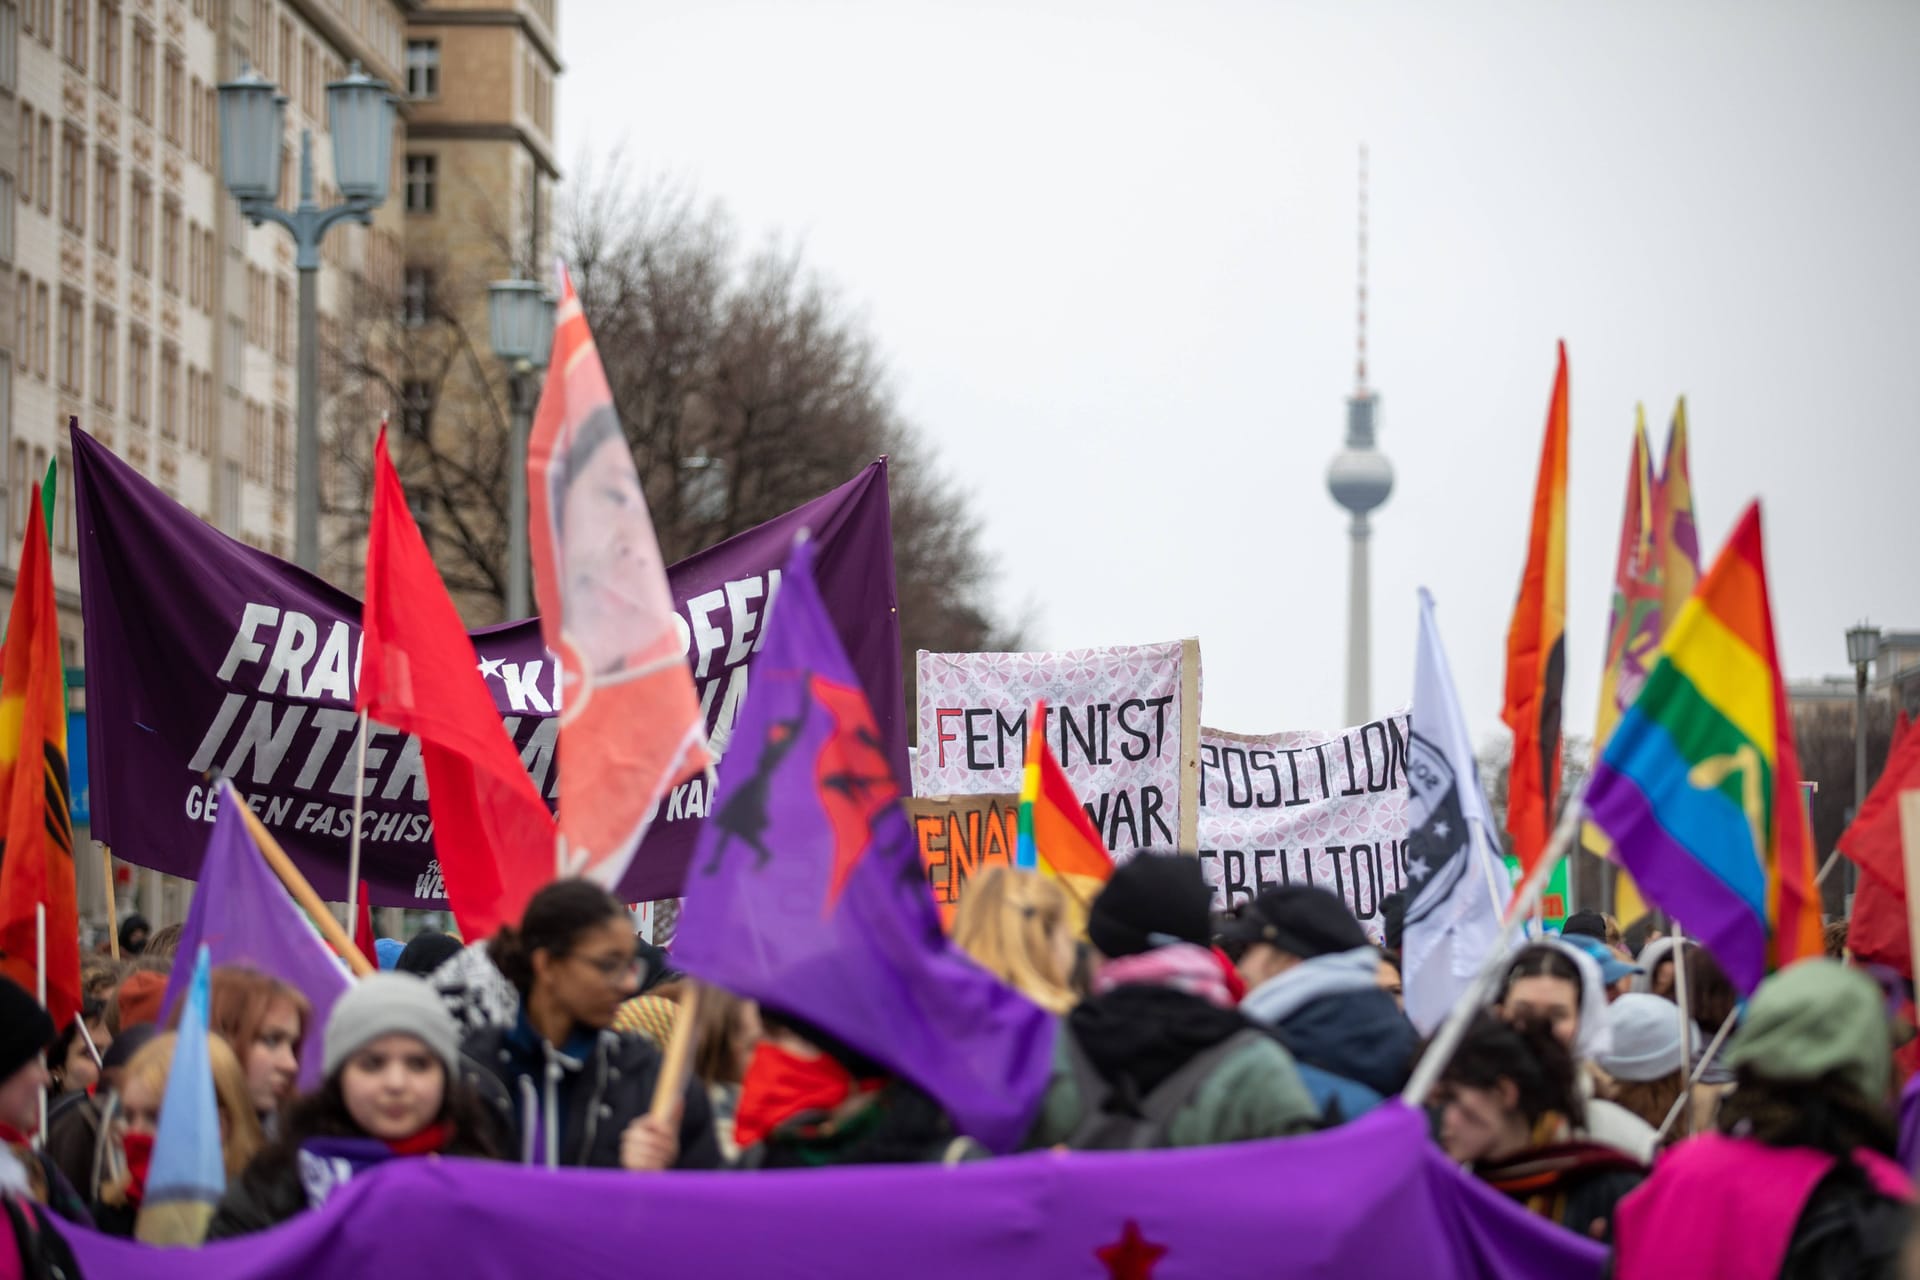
(1312, 983)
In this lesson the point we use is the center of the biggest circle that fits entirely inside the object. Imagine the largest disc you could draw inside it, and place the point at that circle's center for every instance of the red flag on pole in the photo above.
(36, 860)
(1536, 646)
(1878, 932)
(419, 673)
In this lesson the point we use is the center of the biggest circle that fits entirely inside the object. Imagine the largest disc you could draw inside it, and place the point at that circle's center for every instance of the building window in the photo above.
(423, 69)
(45, 177)
(416, 409)
(282, 322)
(236, 360)
(169, 392)
(310, 91)
(106, 348)
(143, 72)
(19, 489)
(261, 35)
(194, 104)
(417, 299)
(73, 180)
(193, 264)
(6, 220)
(170, 245)
(256, 441)
(23, 320)
(230, 495)
(73, 33)
(108, 54)
(106, 179)
(421, 172)
(208, 257)
(288, 51)
(176, 86)
(26, 154)
(42, 329)
(282, 452)
(139, 376)
(140, 231)
(200, 428)
(73, 344)
(9, 58)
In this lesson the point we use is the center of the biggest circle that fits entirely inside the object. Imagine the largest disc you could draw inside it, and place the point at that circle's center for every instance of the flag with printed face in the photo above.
(631, 727)
(1457, 880)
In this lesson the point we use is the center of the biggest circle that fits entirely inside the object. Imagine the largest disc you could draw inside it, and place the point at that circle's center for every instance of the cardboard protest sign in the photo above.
(1123, 723)
(1321, 808)
(206, 655)
(961, 837)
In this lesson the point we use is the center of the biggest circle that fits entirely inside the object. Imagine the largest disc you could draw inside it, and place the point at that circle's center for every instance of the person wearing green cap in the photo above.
(1801, 1180)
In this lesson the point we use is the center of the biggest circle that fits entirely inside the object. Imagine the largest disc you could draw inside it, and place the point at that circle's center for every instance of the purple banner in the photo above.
(204, 654)
(1374, 1198)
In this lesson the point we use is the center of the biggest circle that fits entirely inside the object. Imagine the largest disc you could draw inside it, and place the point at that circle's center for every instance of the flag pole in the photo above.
(1693, 1078)
(1910, 855)
(672, 1080)
(93, 1049)
(40, 986)
(296, 884)
(1447, 1039)
(113, 910)
(353, 846)
(1680, 1002)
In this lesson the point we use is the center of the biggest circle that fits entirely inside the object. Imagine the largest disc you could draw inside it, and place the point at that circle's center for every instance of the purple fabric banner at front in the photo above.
(1374, 1199)
(205, 654)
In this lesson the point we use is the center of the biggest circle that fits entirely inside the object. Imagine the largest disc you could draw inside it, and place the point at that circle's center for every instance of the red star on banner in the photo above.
(1132, 1256)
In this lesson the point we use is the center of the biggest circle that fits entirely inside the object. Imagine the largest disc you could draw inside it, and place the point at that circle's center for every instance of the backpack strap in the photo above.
(1101, 1128)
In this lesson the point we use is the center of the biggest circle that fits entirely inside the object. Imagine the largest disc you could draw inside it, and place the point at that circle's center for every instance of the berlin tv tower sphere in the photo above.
(1360, 479)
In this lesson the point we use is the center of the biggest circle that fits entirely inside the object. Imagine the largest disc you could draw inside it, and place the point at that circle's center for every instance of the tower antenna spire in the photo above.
(1360, 329)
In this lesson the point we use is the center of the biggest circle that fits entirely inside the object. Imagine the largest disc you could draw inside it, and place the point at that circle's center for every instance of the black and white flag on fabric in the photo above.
(1457, 883)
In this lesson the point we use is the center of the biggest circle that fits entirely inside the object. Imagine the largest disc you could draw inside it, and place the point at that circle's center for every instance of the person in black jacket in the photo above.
(563, 1086)
(392, 1090)
(1313, 981)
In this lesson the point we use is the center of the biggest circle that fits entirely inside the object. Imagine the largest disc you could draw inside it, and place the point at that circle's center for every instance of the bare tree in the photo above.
(745, 384)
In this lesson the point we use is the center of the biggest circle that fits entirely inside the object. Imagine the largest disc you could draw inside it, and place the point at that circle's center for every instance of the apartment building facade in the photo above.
(135, 299)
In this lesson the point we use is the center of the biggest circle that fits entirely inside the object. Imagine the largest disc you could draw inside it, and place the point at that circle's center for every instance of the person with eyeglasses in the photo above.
(565, 1087)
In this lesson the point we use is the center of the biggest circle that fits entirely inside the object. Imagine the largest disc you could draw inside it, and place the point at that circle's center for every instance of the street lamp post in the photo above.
(520, 318)
(360, 113)
(1863, 645)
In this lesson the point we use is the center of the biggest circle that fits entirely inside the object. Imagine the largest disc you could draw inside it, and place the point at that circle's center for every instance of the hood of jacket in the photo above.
(1330, 1013)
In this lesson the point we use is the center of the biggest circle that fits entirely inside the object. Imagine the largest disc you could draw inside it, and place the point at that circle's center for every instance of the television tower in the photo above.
(1360, 478)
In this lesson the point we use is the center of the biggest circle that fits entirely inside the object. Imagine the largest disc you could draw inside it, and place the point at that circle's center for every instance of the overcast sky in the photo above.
(1107, 249)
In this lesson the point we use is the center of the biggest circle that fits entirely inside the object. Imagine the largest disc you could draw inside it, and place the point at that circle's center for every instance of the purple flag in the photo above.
(806, 891)
(242, 915)
(1371, 1200)
(205, 654)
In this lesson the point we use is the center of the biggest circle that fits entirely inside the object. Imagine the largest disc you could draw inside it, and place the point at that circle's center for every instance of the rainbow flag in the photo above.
(1054, 828)
(1699, 789)
(1676, 539)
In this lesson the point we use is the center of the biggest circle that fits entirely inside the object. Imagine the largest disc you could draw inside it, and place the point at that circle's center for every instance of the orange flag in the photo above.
(630, 722)
(36, 859)
(1536, 646)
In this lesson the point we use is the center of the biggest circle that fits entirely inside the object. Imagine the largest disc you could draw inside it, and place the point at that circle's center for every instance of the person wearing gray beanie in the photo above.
(393, 1089)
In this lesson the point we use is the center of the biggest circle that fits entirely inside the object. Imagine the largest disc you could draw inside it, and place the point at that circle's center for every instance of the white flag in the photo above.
(1456, 880)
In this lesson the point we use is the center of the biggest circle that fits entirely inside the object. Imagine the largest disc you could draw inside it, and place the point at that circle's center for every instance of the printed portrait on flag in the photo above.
(630, 721)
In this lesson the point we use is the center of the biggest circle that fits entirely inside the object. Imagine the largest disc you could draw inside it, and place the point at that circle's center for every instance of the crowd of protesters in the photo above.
(1763, 1132)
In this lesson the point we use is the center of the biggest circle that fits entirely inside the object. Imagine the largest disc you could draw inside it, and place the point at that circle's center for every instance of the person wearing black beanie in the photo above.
(425, 952)
(134, 932)
(25, 1033)
(1313, 981)
(1157, 1055)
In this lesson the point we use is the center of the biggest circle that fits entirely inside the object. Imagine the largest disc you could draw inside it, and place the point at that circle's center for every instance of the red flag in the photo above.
(1536, 646)
(36, 859)
(1878, 932)
(419, 673)
(363, 931)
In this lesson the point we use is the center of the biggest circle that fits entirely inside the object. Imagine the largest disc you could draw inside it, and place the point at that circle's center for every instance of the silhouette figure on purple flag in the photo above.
(743, 816)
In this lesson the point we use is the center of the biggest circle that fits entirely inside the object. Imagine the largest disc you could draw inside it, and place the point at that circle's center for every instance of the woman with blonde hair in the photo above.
(136, 1119)
(1016, 925)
